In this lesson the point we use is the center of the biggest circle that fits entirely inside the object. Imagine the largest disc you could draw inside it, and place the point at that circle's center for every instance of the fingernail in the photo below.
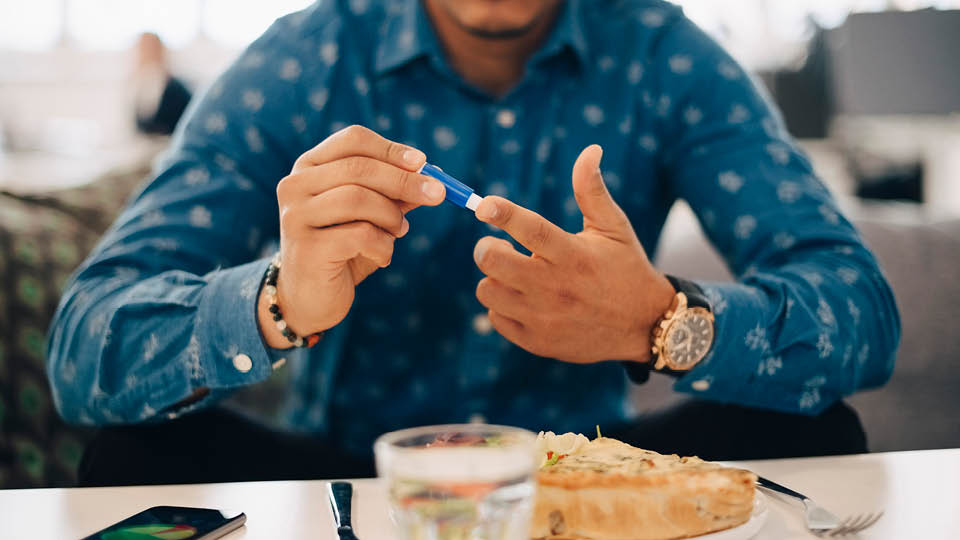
(433, 189)
(404, 227)
(487, 212)
(478, 251)
(414, 157)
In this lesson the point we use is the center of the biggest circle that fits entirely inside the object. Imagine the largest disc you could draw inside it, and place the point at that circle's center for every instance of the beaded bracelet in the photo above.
(270, 290)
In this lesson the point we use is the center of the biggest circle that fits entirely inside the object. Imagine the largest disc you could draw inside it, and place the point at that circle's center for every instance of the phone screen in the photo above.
(171, 523)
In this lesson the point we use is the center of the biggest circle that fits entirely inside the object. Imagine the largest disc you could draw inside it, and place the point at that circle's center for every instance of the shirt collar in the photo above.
(567, 34)
(408, 35)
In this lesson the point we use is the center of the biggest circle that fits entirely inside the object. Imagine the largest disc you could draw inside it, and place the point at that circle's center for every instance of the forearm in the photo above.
(149, 324)
(127, 350)
(811, 318)
(799, 337)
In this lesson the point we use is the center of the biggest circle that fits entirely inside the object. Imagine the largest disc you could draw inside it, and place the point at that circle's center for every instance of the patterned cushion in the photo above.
(42, 240)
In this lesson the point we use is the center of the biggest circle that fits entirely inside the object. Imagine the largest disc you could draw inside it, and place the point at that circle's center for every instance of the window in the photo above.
(226, 22)
(771, 33)
(115, 24)
(38, 25)
(30, 26)
(759, 32)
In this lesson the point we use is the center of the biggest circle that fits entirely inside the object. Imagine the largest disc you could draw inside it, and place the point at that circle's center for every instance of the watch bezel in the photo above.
(680, 318)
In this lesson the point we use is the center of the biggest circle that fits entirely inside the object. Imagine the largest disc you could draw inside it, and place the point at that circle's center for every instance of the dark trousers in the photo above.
(221, 446)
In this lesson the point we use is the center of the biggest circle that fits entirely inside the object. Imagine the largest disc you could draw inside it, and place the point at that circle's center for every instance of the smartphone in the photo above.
(173, 523)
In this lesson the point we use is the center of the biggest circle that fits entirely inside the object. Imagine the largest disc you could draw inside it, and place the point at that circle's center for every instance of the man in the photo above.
(426, 319)
(159, 97)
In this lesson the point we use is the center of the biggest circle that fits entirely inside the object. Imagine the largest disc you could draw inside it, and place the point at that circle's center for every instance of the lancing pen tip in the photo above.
(458, 193)
(473, 202)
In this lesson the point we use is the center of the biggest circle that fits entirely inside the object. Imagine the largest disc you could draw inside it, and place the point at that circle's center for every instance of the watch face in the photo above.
(689, 338)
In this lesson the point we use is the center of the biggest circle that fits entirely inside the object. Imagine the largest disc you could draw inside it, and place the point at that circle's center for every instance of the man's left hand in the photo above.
(582, 298)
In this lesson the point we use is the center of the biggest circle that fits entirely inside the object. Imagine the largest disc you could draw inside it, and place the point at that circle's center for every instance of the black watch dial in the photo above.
(689, 339)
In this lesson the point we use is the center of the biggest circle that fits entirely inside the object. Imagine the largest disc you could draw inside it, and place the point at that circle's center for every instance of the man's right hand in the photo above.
(341, 209)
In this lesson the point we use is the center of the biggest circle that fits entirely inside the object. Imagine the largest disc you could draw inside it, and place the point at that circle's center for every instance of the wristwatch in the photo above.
(684, 334)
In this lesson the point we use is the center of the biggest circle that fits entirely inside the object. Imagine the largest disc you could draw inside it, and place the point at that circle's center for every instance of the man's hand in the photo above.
(341, 208)
(584, 297)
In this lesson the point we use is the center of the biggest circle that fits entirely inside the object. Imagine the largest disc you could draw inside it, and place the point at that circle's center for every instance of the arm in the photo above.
(167, 314)
(162, 307)
(811, 318)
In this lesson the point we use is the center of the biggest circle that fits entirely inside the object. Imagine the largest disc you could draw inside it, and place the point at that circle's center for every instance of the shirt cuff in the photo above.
(728, 371)
(231, 350)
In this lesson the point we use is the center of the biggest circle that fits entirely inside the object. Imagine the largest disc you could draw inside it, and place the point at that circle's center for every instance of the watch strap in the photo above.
(638, 372)
(694, 293)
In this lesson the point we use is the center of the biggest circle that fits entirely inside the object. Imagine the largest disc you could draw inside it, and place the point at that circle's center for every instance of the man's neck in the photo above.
(495, 65)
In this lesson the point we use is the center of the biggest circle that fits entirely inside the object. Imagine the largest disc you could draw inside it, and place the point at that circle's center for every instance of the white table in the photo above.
(920, 492)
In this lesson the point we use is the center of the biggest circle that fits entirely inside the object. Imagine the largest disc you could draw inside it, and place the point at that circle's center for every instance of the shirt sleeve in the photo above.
(810, 318)
(166, 304)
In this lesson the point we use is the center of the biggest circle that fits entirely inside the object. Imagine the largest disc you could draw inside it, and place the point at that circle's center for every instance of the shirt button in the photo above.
(482, 324)
(243, 363)
(506, 118)
(701, 386)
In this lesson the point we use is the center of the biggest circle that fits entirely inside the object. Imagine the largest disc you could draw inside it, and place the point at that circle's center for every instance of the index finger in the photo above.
(392, 182)
(360, 141)
(532, 230)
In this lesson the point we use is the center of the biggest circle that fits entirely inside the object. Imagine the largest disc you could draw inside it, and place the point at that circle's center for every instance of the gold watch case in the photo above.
(683, 337)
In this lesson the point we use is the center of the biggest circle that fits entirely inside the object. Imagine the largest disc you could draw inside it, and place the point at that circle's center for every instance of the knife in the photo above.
(341, 495)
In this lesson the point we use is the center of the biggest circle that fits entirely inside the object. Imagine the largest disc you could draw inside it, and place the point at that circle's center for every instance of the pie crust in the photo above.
(609, 490)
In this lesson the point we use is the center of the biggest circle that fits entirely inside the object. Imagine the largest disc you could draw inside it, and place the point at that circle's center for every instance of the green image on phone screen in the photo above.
(151, 532)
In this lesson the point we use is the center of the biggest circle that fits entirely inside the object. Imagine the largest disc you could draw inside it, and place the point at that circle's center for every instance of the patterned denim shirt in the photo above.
(166, 304)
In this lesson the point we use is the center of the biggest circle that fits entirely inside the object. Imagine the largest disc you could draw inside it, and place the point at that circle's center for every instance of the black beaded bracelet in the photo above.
(270, 290)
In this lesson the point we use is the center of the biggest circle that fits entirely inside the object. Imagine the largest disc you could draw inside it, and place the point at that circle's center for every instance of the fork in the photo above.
(819, 521)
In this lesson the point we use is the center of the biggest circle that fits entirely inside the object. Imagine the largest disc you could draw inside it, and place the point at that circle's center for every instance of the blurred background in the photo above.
(870, 88)
(877, 79)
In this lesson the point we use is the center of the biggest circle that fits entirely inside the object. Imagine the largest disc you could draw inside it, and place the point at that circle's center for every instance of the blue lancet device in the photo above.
(457, 192)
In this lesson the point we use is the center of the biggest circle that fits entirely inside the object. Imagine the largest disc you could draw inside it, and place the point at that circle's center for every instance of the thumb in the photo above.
(597, 206)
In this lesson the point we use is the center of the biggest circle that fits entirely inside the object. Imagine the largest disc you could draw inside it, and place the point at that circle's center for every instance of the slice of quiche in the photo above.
(608, 490)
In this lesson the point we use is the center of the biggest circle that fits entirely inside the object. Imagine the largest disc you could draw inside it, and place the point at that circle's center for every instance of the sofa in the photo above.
(43, 238)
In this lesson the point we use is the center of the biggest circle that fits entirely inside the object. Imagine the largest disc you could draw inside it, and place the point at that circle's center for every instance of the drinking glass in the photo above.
(459, 481)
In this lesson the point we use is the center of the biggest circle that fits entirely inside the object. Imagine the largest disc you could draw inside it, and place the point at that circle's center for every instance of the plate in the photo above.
(749, 529)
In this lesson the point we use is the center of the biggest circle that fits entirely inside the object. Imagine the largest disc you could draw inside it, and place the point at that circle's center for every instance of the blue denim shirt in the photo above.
(166, 304)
